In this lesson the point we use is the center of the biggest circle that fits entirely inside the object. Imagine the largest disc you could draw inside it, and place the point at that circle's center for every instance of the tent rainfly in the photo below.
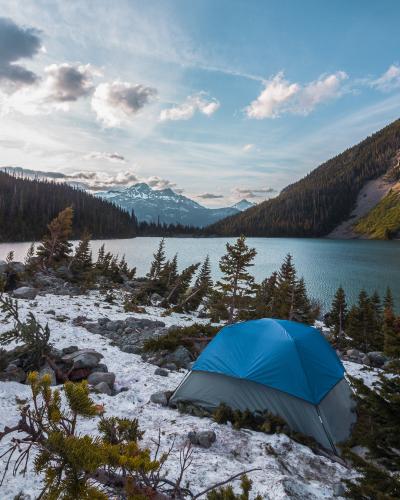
(277, 365)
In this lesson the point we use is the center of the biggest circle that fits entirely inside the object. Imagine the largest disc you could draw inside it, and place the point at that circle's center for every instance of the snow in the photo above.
(288, 469)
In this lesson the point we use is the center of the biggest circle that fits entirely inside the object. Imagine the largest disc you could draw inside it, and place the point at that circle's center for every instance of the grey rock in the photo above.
(159, 398)
(339, 490)
(97, 377)
(203, 438)
(181, 357)
(17, 267)
(69, 350)
(16, 375)
(103, 388)
(377, 358)
(25, 292)
(156, 299)
(51, 311)
(355, 353)
(365, 360)
(3, 266)
(47, 370)
(83, 358)
(161, 372)
(101, 367)
(130, 348)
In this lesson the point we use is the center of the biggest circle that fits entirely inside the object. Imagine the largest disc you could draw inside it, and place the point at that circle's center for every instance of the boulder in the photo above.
(3, 266)
(181, 357)
(15, 374)
(83, 358)
(203, 438)
(377, 358)
(96, 378)
(156, 299)
(159, 398)
(339, 490)
(161, 372)
(103, 388)
(25, 292)
(355, 353)
(17, 267)
(69, 350)
(170, 366)
(101, 367)
(130, 348)
(47, 370)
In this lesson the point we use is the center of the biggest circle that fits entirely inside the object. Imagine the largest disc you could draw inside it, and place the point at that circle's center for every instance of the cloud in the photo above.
(248, 147)
(199, 102)
(17, 43)
(99, 155)
(66, 82)
(252, 193)
(99, 181)
(209, 196)
(390, 80)
(117, 102)
(159, 183)
(280, 96)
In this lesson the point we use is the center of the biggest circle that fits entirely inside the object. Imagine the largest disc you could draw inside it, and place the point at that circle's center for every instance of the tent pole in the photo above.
(326, 432)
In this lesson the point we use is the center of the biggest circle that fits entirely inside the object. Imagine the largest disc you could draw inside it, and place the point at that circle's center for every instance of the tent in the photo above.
(281, 366)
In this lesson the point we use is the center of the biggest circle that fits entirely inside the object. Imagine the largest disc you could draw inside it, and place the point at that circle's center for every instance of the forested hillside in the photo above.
(316, 204)
(26, 206)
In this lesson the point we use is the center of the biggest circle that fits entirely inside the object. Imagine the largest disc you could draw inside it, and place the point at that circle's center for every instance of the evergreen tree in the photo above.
(55, 247)
(286, 284)
(388, 302)
(202, 287)
(169, 273)
(391, 330)
(81, 263)
(180, 286)
(338, 316)
(266, 298)
(158, 261)
(302, 310)
(237, 284)
(363, 327)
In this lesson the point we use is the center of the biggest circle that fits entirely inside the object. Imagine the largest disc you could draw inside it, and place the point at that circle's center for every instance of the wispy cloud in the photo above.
(279, 96)
(100, 155)
(199, 102)
(239, 192)
(209, 196)
(248, 147)
(390, 80)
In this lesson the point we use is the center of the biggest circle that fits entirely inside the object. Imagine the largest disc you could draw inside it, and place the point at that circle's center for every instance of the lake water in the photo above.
(325, 264)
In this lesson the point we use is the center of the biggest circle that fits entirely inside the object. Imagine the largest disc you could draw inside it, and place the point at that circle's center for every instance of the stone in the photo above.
(17, 267)
(103, 388)
(365, 360)
(377, 358)
(47, 370)
(156, 299)
(159, 398)
(83, 358)
(130, 349)
(3, 266)
(96, 378)
(181, 357)
(51, 311)
(203, 438)
(69, 350)
(101, 367)
(161, 372)
(339, 490)
(25, 292)
(15, 375)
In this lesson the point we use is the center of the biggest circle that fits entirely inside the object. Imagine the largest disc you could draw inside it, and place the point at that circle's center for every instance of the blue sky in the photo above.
(220, 100)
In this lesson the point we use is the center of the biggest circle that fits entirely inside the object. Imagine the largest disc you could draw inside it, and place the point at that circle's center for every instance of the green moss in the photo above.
(383, 221)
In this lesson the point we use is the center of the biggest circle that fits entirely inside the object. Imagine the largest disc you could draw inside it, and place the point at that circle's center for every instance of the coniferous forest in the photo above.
(27, 205)
(324, 198)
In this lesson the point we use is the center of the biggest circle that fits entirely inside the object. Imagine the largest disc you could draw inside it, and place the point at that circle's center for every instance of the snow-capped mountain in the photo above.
(164, 205)
(243, 205)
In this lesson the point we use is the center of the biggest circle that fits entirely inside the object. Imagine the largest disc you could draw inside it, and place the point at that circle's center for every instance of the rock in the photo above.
(181, 357)
(14, 375)
(17, 267)
(3, 266)
(69, 350)
(103, 388)
(377, 358)
(130, 349)
(25, 292)
(170, 366)
(47, 370)
(80, 320)
(96, 378)
(161, 372)
(101, 368)
(339, 490)
(365, 360)
(203, 438)
(83, 358)
(159, 398)
(51, 311)
(156, 299)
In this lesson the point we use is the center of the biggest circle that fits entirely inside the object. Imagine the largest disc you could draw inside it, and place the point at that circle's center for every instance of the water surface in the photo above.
(325, 264)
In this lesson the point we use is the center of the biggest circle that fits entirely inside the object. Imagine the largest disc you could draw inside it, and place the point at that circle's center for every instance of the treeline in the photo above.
(27, 205)
(319, 202)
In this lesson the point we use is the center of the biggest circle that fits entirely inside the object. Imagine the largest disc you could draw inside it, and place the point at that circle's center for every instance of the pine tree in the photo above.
(391, 329)
(202, 287)
(302, 310)
(158, 261)
(168, 274)
(81, 263)
(55, 247)
(237, 284)
(388, 302)
(362, 326)
(180, 286)
(338, 316)
(266, 298)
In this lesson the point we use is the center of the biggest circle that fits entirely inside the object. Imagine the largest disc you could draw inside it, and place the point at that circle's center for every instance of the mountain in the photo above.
(327, 197)
(28, 205)
(243, 205)
(164, 205)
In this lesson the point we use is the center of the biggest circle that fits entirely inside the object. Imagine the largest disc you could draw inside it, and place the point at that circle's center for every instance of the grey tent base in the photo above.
(329, 422)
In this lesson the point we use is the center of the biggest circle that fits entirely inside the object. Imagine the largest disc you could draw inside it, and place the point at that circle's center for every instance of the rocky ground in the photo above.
(89, 324)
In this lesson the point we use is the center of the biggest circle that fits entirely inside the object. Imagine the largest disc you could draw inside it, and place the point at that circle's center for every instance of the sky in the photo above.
(218, 99)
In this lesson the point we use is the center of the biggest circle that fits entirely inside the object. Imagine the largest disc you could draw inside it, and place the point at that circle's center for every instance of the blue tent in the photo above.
(277, 365)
